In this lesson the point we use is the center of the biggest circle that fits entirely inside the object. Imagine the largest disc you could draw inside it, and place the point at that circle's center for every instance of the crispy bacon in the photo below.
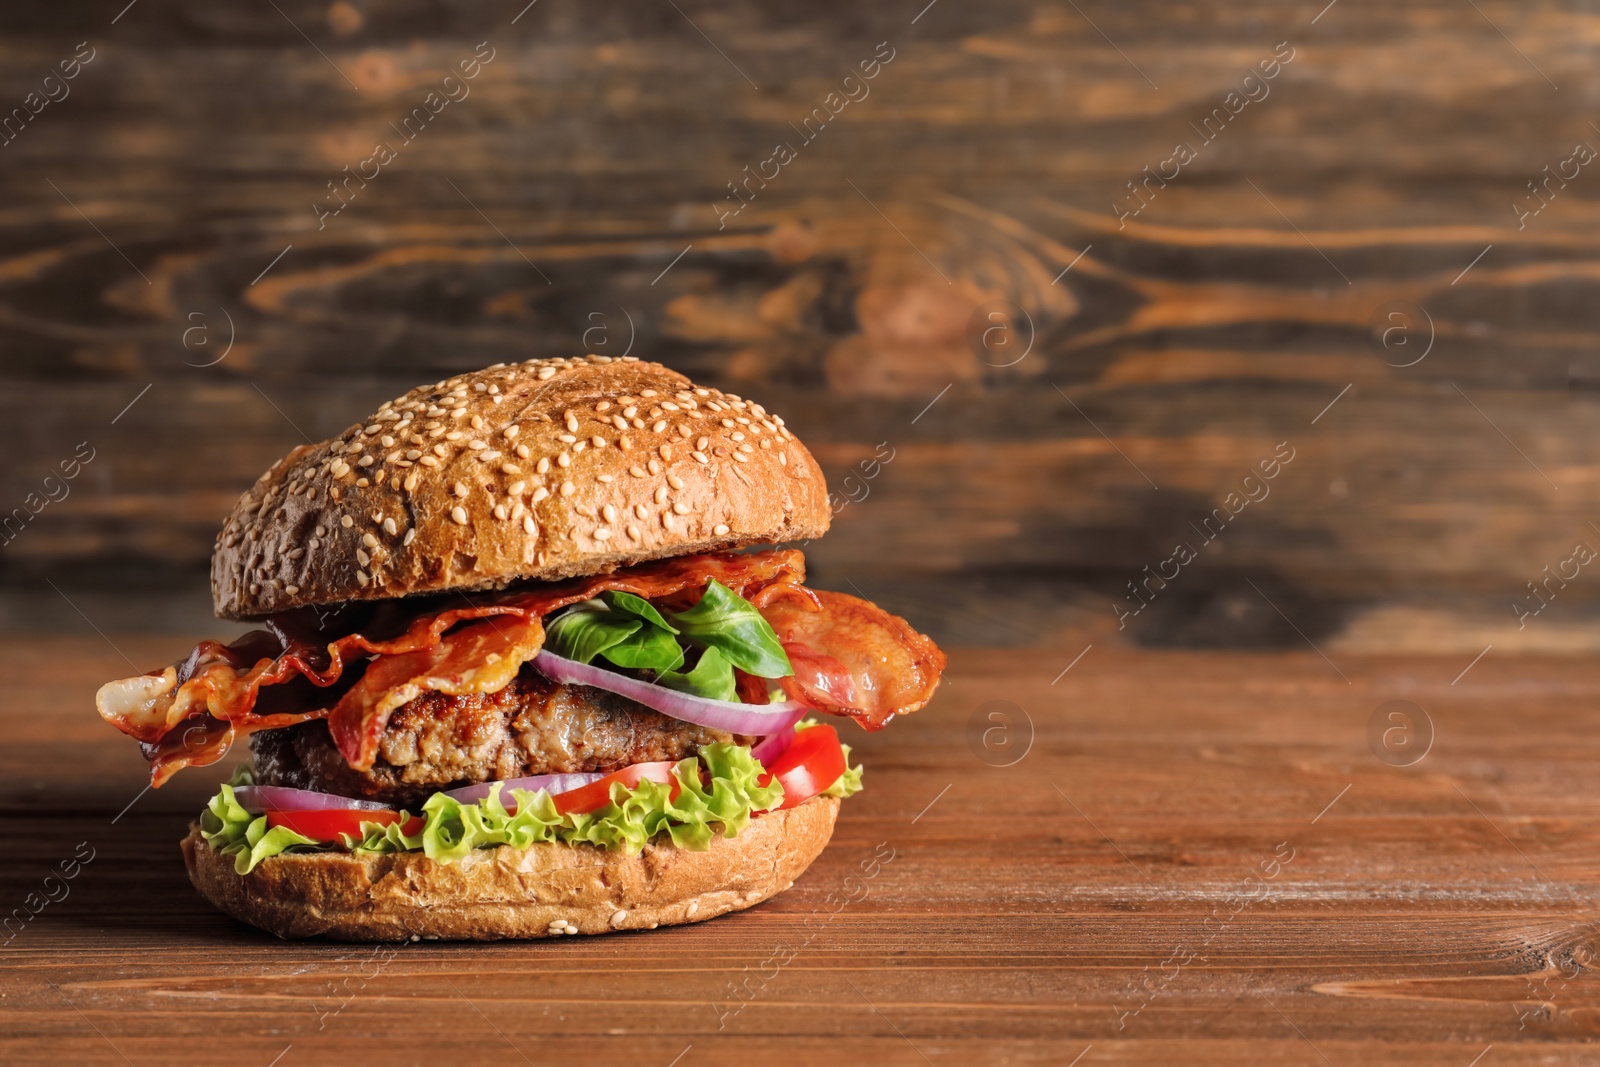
(851, 657)
(846, 653)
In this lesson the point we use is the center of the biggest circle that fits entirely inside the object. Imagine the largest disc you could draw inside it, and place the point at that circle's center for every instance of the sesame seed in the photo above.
(641, 511)
(528, 525)
(604, 405)
(702, 443)
(655, 466)
(346, 521)
(523, 451)
(624, 442)
(362, 483)
(619, 422)
(540, 493)
(700, 457)
(386, 441)
(669, 405)
(411, 481)
(501, 512)
(441, 451)
(459, 489)
(607, 478)
(459, 514)
(413, 455)
(322, 531)
(633, 533)
(602, 534)
(489, 456)
(389, 526)
(572, 423)
(512, 431)
(543, 466)
(361, 578)
(638, 424)
(454, 435)
(666, 519)
(720, 529)
(567, 437)
(477, 421)
(516, 488)
(546, 373)
(680, 508)
(636, 471)
(647, 392)
(729, 423)
(630, 411)
(661, 494)
(702, 392)
(510, 468)
(363, 557)
(741, 457)
(666, 453)
(661, 424)
(684, 431)
(783, 460)
(369, 540)
(563, 460)
(609, 513)
(476, 445)
(597, 441)
(737, 435)
(567, 489)
(518, 509)
(291, 589)
(618, 918)
(747, 447)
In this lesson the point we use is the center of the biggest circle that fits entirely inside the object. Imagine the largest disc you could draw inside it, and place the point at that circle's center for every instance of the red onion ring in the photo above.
(760, 720)
(554, 783)
(259, 798)
(770, 748)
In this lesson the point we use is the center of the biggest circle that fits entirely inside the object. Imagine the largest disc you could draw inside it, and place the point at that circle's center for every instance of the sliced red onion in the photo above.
(259, 798)
(730, 715)
(770, 748)
(554, 783)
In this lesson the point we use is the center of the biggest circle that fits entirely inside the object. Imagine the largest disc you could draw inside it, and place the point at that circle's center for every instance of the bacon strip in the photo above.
(851, 657)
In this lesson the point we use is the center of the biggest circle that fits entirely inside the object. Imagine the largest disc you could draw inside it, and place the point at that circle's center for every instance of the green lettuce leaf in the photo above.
(728, 622)
(637, 605)
(712, 678)
(650, 648)
(232, 831)
(722, 803)
(585, 630)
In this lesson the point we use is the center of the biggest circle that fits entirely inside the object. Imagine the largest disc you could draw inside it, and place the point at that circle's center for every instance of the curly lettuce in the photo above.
(232, 831)
(718, 791)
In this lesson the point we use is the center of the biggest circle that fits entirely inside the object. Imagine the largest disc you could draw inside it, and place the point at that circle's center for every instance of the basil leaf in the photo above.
(585, 630)
(712, 677)
(635, 605)
(649, 647)
(725, 621)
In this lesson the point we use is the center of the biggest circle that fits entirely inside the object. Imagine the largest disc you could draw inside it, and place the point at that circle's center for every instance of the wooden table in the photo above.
(1198, 859)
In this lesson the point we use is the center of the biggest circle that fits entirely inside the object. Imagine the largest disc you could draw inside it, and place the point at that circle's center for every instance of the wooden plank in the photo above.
(1422, 911)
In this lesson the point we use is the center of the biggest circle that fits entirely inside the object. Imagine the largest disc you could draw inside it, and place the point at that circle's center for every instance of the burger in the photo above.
(528, 665)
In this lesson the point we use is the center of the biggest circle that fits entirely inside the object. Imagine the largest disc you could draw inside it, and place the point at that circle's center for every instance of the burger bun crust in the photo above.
(547, 890)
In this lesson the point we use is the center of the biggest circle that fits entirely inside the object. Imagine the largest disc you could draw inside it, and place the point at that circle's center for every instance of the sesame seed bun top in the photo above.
(538, 470)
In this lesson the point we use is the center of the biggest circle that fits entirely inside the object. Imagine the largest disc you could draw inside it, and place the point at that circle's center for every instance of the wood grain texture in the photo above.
(1414, 914)
(540, 215)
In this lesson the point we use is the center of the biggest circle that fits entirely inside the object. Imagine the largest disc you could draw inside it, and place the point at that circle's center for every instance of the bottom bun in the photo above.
(543, 891)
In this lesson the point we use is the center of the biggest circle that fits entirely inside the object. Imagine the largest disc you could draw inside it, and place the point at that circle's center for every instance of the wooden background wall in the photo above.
(145, 217)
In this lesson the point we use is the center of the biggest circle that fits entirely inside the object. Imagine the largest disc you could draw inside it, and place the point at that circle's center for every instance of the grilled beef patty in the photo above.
(532, 726)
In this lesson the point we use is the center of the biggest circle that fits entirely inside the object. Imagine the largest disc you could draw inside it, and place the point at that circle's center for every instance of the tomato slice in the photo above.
(328, 825)
(811, 763)
(597, 794)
